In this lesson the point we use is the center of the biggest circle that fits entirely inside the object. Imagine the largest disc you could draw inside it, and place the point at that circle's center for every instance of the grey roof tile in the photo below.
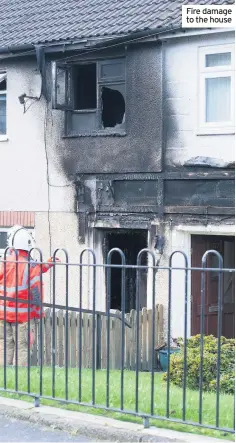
(40, 21)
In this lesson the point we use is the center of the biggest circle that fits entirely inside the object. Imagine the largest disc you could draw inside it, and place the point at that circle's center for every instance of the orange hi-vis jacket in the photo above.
(28, 284)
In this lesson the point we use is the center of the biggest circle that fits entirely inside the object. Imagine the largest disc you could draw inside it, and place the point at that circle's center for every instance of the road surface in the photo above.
(21, 431)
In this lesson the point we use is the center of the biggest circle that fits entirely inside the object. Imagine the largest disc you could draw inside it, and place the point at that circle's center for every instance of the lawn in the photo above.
(176, 396)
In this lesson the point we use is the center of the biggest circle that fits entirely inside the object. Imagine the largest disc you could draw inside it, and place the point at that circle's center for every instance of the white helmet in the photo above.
(19, 238)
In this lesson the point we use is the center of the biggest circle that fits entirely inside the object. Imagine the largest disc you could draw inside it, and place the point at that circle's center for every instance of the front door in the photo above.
(226, 247)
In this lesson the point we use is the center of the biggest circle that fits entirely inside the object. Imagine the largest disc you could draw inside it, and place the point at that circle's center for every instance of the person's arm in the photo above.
(48, 265)
(36, 267)
(35, 279)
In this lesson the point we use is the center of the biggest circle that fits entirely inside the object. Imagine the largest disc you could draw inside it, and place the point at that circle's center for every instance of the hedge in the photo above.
(227, 364)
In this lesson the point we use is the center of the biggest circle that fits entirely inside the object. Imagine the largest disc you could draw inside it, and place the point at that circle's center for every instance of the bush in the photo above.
(227, 364)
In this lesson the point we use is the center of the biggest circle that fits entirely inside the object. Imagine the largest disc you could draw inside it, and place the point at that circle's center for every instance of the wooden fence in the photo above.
(145, 339)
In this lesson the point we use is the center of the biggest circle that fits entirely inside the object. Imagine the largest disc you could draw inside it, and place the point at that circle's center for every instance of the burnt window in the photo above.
(85, 87)
(113, 106)
(92, 94)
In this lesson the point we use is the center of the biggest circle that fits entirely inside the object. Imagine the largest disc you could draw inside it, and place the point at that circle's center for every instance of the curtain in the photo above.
(3, 114)
(218, 99)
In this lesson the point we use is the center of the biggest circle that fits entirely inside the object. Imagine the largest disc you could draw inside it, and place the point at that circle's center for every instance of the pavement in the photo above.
(21, 431)
(77, 426)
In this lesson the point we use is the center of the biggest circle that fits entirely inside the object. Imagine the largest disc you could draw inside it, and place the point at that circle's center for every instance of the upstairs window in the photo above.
(3, 105)
(216, 94)
(92, 94)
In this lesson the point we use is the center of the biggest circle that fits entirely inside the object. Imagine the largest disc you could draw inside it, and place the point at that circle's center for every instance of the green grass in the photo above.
(176, 397)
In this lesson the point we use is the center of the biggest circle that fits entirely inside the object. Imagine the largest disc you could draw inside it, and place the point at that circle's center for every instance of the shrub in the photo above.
(227, 364)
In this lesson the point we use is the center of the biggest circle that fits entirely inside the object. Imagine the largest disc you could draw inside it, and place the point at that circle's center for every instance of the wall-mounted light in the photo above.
(159, 243)
(23, 99)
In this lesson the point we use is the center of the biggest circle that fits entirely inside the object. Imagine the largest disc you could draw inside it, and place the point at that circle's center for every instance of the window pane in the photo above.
(61, 87)
(3, 114)
(218, 99)
(222, 59)
(112, 69)
(85, 87)
(82, 122)
(3, 85)
(3, 240)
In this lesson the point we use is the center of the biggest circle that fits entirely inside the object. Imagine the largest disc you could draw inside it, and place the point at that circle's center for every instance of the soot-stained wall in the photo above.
(216, 193)
(140, 149)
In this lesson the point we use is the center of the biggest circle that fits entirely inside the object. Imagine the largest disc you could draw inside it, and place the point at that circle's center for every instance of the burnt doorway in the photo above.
(130, 242)
(226, 246)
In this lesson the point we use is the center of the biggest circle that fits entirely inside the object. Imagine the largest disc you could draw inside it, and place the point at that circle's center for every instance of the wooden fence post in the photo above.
(60, 341)
(78, 332)
(144, 365)
(149, 339)
(99, 342)
(127, 343)
(133, 321)
(85, 341)
(48, 337)
(35, 355)
(104, 343)
(73, 350)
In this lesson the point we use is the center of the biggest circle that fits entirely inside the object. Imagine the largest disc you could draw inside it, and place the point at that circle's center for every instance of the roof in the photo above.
(25, 22)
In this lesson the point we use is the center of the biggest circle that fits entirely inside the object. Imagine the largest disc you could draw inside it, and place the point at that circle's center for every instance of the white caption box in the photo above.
(208, 16)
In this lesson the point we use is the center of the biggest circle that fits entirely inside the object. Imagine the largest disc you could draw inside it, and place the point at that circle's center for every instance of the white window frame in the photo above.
(227, 127)
(31, 231)
(3, 137)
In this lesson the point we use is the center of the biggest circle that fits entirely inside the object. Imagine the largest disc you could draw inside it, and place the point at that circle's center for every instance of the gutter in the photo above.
(16, 48)
(128, 38)
(69, 45)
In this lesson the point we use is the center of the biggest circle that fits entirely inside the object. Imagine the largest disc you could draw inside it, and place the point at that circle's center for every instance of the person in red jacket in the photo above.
(19, 282)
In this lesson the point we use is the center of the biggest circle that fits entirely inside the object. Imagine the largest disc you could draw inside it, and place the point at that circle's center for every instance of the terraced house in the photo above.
(117, 130)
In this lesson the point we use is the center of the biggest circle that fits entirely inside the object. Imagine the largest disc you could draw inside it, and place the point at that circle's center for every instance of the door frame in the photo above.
(94, 240)
(181, 240)
(127, 231)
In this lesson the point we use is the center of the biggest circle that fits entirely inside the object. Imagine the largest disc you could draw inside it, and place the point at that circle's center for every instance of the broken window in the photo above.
(93, 94)
(113, 106)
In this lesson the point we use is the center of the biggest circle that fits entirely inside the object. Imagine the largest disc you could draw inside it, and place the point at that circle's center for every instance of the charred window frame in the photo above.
(92, 94)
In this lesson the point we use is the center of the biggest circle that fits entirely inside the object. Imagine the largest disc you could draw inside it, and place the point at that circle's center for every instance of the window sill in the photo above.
(216, 131)
(97, 134)
(3, 138)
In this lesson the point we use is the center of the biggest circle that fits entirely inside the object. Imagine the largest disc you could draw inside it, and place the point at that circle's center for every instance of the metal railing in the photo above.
(19, 380)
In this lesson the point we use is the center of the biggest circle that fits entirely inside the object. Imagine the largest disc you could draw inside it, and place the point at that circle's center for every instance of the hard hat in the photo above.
(19, 238)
